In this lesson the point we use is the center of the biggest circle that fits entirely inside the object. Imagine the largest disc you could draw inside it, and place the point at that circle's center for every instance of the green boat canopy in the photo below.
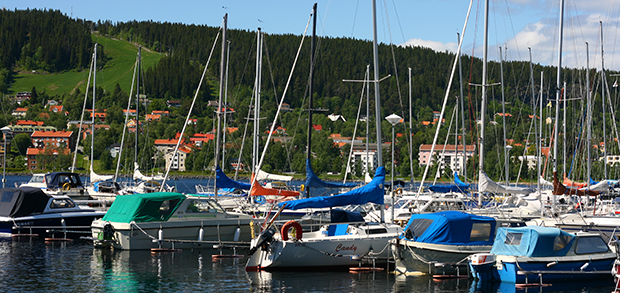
(144, 207)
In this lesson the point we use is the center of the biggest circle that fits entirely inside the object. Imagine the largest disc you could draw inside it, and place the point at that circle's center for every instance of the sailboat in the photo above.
(335, 245)
(100, 187)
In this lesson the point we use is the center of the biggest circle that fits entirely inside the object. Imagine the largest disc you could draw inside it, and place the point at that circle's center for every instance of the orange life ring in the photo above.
(287, 226)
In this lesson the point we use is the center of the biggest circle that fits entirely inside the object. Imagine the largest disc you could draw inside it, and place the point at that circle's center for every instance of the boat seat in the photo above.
(337, 230)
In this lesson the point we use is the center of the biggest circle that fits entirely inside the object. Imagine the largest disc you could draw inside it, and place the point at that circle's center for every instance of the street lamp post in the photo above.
(393, 119)
(5, 130)
(506, 155)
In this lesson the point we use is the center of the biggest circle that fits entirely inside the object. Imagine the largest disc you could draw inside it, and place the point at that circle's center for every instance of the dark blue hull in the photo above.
(23, 226)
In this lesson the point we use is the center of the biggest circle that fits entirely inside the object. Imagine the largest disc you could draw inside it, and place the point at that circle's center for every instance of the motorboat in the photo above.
(61, 183)
(535, 254)
(37, 180)
(440, 243)
(29, 210)
(168, 220)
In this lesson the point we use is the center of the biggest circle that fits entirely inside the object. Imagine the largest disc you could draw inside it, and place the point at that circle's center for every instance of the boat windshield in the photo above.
(37, 179)
(203, 206)
(62, 203)
(587, 245)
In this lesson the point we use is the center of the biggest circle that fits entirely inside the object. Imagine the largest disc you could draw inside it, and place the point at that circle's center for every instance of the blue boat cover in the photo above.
(371, 192)
(458, 186)
(224, 182)
(314, 181)
(532, 241)
(56, 180)
(450, 228)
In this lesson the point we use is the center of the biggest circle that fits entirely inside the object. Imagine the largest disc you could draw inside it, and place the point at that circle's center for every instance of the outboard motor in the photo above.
(264, 238)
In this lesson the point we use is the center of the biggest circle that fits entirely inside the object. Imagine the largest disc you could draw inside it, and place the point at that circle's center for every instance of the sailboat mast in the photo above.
(604, 87)
(255, 147)
(310, 79)
(137, 103)
(557, 91)
(219, 103)
(589, 116)
(375, 52)
(92, 121)
(537, 134)
(367, 83)
(501, 73)
(483, 108)
(557, 97)
(464, 166)
(410, 130)
(225, 101)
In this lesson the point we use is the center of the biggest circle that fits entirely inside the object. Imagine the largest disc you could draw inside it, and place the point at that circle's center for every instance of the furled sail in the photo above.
(485, 184)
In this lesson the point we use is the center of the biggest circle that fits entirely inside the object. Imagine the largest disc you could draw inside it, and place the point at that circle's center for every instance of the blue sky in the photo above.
(513, 24)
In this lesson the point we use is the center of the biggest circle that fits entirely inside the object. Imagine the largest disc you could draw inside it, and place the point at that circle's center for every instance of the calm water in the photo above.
(33, 266)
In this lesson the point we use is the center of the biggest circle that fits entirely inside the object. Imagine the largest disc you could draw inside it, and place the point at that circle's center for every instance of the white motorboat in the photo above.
(168, 220)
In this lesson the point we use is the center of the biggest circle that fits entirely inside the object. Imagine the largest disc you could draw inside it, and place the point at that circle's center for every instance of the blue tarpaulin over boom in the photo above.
(371, 192)
(224, 182)
(458, 186)
(314, 181)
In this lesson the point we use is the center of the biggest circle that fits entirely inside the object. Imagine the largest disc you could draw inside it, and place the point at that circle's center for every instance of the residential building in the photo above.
(132, 112)
(173, 103)
(167, 146)
(22, 96)
(161, 113)
(114, 149)
(53, 139)
(447, 155)
(35, 156)
(19, 112)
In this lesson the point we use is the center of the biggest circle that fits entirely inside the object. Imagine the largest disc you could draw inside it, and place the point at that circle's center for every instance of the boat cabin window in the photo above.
(372, 231)
(513, 238)
(203, 206)
(417, 228)
(167, 207)
(62, 203)
(591, 244)
(480, 232)
(561, 241)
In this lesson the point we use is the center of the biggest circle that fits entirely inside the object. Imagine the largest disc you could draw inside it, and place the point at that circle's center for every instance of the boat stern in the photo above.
(483, 267)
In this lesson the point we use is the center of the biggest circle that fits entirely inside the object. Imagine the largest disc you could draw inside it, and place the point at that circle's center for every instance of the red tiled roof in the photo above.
(29, 122)
(43, 134)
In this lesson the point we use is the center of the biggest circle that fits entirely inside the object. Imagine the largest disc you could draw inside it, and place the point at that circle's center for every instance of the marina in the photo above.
(39, 266)
(174, 218)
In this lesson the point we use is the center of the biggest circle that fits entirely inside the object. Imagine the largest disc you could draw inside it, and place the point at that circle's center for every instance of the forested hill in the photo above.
(51, 42)
(42, 40)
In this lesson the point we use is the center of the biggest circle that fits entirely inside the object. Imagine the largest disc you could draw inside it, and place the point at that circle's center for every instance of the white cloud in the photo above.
(435, 45)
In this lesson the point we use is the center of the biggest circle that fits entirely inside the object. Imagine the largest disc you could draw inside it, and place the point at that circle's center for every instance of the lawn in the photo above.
(117, 70)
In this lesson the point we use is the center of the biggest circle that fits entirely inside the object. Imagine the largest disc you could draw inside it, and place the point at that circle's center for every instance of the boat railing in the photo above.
(308, 226)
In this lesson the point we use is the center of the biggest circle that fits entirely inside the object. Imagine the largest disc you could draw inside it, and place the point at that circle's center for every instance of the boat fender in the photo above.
(259, 199)
(287, 226)
(200, 234)
(264, 238)
(237, 234)
(66, 186)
